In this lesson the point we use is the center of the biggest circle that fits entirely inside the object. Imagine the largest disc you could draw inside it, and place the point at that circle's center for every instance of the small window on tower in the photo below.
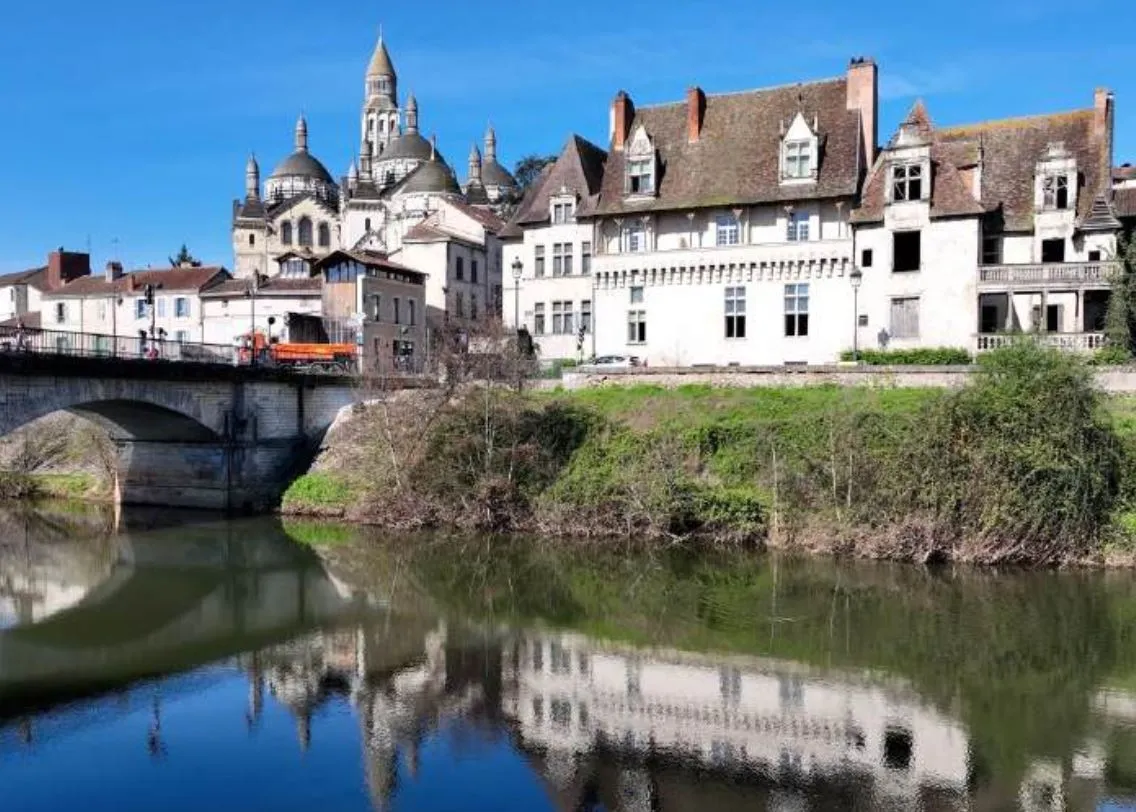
(252, 239)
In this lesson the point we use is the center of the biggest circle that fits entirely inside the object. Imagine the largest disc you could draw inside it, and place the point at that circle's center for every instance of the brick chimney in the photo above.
(695, 111)
(864, 95)
(66, 266)
(1102, 126)
(113, 271)
(622, 111)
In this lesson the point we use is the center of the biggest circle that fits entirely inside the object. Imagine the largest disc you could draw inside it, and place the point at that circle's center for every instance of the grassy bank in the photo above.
(73, 486)
(1027, 464)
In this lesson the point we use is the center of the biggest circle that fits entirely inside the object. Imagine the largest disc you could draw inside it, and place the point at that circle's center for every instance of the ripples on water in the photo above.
(226, 666)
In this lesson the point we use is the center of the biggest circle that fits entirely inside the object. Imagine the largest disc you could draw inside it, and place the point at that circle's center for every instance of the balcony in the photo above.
(1047, 276)
(1073, 342)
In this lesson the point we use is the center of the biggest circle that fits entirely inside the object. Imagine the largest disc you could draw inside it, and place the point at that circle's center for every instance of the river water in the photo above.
(150, 662)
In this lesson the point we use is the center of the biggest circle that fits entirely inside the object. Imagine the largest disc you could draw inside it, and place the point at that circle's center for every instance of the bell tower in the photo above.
(380, 123)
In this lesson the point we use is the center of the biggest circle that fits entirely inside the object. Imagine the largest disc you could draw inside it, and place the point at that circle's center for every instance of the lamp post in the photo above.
(856, 278)
(518, 268)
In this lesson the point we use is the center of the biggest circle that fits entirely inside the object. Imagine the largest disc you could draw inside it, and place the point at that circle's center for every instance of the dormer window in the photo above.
(640, 177)
(562, 213)
(726, 230)
(906, 182)
(1055, 192)
(798, 160)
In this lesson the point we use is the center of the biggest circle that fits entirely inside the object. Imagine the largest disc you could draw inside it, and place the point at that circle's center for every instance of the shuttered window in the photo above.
(905, 317)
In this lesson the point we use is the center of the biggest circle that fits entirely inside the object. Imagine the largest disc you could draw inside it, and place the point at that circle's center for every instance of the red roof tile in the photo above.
(171, 279)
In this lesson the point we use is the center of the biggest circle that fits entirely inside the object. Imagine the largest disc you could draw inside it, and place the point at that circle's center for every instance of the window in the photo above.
(460, 300)
(459, 269)
(181, 336)
(562, 213)
(305, 238)
(640, 180)
(898, 747)
(398, 309)
(1053, 250)
(162, 307)
(60, 312)
(377, 307)
(181, 307)
(907, 182)
(798, 159)
(561, 659)
(473, 271)
(324, 235)
(636, 326)
(538, 261)
(567, 259)
(557, 259)
(797, 309)
(991, 250)
(561, 712)
(252, 239)
(140, 308)
(1055, 192)
(472, 306)
(586, 258)
(1094, 256)
(906, 251)
(736, 312)
(866, 258)
(792, 691)
(367, 224)
(538, 710)
(1053, 318)
(557, 318)
(538, 318)
(636, 295)
(569, 320)
(797, 227)
(101, 308)
(634, 238)
(586, 315)
(905, 317)
(286, 233)
(726, 230)
(411, 315)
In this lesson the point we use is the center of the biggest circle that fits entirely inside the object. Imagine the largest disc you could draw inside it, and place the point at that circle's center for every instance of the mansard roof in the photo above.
(737, 157)
(580, 168)
(1010, 150)
(1001, 157)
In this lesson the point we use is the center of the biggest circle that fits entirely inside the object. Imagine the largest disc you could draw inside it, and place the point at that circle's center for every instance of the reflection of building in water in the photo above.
(773, 718)
(39, 579)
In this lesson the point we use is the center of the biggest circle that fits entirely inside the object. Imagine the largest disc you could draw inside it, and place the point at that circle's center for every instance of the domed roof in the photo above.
(410, 144)
(302, 164)
(432, 176)
(493, 174)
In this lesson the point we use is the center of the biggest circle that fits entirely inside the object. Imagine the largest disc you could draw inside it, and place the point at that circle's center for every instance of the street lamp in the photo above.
(518, 268)
(856, 278)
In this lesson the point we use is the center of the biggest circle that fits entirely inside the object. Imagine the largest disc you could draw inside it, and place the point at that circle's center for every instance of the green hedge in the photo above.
(922, 356)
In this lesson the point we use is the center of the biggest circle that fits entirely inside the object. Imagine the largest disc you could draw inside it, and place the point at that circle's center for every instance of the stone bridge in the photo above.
(188, 435)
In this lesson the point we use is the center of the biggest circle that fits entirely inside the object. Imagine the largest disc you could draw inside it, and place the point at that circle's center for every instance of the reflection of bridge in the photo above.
(172, 600)
(188, 435)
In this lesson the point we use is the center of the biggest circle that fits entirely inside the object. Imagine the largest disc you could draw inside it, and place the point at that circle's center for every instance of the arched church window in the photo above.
(324, 235)
(286, 232)
(252, 239)
(306, 232)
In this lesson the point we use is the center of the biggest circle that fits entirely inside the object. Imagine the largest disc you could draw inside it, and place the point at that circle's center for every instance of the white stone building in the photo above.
(717, 228)
(21, 293)
(967, 234)
(276, 307)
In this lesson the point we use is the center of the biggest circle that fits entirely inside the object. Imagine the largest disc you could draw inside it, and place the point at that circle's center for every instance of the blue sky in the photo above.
(130, 121)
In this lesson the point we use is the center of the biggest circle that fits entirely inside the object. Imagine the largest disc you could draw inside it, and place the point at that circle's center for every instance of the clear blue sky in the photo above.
(132, 120)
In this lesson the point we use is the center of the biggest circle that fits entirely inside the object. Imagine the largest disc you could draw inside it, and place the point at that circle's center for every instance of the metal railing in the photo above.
(17, 340)
(1077, 342)
(1052, 273)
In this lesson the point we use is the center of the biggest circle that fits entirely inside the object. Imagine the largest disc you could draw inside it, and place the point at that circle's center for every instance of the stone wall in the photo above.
(1115, 380)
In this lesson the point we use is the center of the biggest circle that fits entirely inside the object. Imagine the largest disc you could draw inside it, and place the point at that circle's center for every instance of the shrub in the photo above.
(319, 491)
(1112, 355)
(919, 356)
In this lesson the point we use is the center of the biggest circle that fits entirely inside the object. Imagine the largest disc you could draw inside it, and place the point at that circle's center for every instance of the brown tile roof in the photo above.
(273, 286)
(1006, 153)
(1010, 150)
(172, 279)
(580, 168)
(486, 217)
(372, 259)
(1125, 171)
(431, 230)
(32, 321)
(737, 158)
(36, 277)
(1124, 202)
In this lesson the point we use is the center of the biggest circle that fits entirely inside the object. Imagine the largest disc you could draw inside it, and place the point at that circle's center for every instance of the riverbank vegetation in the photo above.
(1028, 463)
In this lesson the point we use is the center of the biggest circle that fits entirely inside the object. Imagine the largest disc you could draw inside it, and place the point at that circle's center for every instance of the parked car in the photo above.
(614, 362)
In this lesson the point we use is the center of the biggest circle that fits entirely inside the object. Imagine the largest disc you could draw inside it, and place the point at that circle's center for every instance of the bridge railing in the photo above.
(17, 340)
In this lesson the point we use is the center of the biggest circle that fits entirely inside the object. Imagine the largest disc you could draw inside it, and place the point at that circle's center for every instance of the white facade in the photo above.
(126, 314)
(227, 316)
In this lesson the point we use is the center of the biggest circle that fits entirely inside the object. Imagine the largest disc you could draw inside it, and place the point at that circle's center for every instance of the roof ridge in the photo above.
(745, 92)
(1013, 120)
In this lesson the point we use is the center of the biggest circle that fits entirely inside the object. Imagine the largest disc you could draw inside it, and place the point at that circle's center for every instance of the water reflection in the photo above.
(255, 673)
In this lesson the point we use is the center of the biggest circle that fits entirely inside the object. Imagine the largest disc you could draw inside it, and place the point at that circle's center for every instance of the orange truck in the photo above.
(306, 357)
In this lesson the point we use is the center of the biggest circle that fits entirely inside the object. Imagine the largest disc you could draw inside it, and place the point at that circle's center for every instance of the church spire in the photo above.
(474, 164)
(252, 178)
(302, 134)
(381, 64)
(491, 145)
(412, 114)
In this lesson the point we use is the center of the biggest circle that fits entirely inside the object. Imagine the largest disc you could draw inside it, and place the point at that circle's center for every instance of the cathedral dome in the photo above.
(410, 145)
(433, 177)
(302, 164)
(493, 174)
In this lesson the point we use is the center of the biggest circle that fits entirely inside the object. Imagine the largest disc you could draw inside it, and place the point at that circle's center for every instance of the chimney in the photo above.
(113, 271)
(66, 266)
(695, 110)
(622, 111)
(1102, 126)
(864, 95)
